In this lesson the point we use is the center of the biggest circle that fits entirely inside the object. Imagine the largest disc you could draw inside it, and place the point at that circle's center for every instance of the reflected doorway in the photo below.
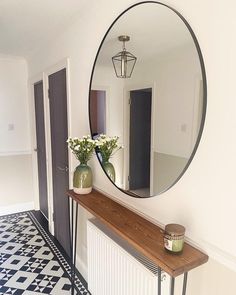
(98, 111)
(140, 141)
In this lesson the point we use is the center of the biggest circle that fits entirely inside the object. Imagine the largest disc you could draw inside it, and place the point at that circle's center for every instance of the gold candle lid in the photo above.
(175, 229)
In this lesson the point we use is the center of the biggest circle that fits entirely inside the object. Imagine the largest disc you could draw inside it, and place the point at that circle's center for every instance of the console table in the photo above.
(143, 235)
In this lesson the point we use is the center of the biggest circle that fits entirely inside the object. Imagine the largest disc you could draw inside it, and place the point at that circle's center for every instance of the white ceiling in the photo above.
(26, 24)
(154, 30)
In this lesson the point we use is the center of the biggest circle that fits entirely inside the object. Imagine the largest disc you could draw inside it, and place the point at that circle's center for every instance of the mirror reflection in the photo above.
(153, 104)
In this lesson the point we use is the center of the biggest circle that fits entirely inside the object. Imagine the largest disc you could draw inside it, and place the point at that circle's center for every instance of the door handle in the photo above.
(66, 169)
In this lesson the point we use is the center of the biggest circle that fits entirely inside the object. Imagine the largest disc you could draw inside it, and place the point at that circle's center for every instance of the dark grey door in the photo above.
(59, 135)
(41, 147)
(140, 138)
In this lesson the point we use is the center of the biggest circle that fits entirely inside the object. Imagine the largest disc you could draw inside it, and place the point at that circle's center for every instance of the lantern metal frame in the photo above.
(123, 58)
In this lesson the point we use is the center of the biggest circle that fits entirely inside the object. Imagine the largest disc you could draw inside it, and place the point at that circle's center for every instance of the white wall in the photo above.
(166, 169)
(204, 199)
(174, 77)
(16, 184)
(14, 114)
(16, 188)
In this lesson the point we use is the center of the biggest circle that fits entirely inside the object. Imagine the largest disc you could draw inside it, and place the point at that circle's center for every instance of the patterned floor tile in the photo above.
(25, 221)
(23, 239)
(10, 248)
(17, 229)
(30, 230)
(5, 275)
(28, 292)
(6, 290)
(15, 262)
(3, 257)
(62, 287)
(53, 268)
(37, 240)
(44, 284)
(5, 226)
(7, 236)
(30, 262)
(44, 253)
(27, 250)
(21, 280)
(35, 265)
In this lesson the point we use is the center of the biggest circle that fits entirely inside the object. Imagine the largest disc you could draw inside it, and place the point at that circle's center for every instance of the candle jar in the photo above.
(174, 238)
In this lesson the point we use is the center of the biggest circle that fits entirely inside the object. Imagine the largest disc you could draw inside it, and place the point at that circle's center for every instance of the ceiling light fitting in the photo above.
(124, 61)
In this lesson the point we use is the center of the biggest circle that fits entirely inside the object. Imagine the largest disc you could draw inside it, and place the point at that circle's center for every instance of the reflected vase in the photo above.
(109, 169)
(82, 179)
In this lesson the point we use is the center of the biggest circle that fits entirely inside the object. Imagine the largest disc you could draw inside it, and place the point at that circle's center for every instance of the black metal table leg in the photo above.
(185, 283)
(69, 214)
(75, 243)
(172, 286)
(159, 281)
(72, 244)
(70, 236)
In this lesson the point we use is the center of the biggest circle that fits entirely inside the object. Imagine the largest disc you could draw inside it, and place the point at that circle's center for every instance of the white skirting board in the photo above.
(116, 268)
(16, 208)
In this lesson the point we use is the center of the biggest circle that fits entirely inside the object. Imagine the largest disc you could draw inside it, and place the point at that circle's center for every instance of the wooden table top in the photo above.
(143, 235)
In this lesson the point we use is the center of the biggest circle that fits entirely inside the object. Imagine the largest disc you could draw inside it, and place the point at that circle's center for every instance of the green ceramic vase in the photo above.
(110, 170)
(83, 179)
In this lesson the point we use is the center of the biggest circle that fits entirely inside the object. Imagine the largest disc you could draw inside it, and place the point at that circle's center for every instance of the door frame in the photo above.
(64, 64)
(44, 76)
(126, 128)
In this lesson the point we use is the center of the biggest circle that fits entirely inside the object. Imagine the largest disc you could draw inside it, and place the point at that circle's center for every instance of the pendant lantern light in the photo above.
(124, 61)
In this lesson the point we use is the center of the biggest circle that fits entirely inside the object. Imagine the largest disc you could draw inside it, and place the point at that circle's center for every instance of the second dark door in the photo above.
(59, 135)
(140, 138)
(41, 147)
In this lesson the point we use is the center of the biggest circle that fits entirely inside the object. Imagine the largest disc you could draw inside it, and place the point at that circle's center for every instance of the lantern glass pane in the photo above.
(124, 64)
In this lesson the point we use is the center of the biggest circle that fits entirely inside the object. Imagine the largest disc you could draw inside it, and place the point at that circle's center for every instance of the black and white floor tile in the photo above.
(30, 261)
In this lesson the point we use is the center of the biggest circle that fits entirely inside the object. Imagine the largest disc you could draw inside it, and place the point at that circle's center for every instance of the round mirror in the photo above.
(147, 99)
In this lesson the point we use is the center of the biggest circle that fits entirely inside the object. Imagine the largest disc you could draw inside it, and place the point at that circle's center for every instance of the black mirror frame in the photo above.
(204, 80)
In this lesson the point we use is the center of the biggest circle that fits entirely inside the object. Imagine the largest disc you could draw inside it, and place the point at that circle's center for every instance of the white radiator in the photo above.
(115, 268)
